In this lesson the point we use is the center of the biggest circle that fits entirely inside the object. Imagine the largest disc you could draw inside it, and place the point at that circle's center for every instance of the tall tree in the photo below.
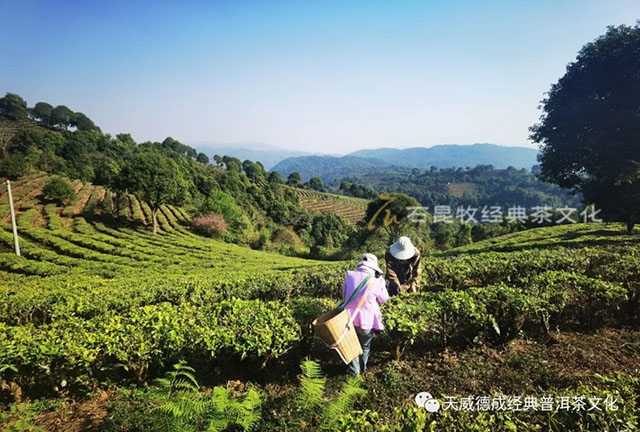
(42, 112)
(13, 106)
(294, 179)
(61, 117)
(315, 183)
(153, 178)
(218, 160)
(81, 122)
(202, 158)
(589, 130)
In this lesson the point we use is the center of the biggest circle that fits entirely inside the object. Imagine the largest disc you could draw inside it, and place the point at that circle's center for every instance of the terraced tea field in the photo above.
(350, 208)
(97, 301)
(101, 233)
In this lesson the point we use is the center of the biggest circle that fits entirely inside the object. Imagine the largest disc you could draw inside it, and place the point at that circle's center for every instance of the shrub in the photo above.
(222, 203)
(210, 225)
(13, 167)
(58, 190)
(287, 237)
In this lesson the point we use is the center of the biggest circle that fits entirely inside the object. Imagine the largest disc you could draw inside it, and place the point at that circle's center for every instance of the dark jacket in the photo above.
(403, 275)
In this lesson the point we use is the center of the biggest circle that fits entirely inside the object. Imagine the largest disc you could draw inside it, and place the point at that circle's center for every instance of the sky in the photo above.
(318, 76)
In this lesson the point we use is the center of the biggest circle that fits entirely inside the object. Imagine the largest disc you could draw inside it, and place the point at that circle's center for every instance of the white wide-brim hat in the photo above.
(371, 261)
(403, 249)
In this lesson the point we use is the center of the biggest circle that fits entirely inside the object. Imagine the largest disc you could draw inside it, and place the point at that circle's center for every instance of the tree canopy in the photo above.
(589, 130)
(154, 178)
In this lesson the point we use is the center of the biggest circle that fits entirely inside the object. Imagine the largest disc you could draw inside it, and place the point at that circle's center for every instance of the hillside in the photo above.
(350, 208)
(106, 298)
(570, 236)
(85, 237)
(477, 187)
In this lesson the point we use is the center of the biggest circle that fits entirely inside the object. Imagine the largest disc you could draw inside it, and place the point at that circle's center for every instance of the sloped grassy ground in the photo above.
(104, 307)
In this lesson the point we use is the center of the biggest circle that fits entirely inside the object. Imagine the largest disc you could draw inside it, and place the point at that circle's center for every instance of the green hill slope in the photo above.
(85, 238)
(350, 208)
(572, 235)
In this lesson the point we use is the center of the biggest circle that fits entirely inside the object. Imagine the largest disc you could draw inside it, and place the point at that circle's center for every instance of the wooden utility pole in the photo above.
(13, 219)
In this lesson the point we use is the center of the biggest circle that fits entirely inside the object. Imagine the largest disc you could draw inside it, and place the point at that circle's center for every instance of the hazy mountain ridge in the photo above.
(401, 160)
(331, 168)
(267, 155)
(455, 155)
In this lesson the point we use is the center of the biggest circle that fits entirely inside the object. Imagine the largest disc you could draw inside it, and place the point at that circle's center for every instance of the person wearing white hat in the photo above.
(403, 267)
(365, 280)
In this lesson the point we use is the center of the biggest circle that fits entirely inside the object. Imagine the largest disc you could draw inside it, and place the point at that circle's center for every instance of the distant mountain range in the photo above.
(265, 154)
(452, 155)
(333, 168)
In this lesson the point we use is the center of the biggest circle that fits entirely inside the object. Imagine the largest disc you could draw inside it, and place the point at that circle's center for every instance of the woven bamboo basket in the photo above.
(331, 326)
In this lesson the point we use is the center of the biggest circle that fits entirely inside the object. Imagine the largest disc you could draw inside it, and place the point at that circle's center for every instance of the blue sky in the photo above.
(317, 76)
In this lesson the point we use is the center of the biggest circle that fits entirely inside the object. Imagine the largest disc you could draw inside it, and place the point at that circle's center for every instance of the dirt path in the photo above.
(17, 204)
(78, 416)
(82, 202)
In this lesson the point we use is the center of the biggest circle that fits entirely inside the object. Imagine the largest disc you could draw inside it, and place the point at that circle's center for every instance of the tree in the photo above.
(253, 170)
(81, 122)
(222, 203)
(275, 177)
(58, 190)
(218, 160)
(202, 158)
(14, 167)
(61, 117)
(153, 178)
(13, 106)
(315, 183)
(42, 112)
(233, 164)
(590, 126)
(294, 179)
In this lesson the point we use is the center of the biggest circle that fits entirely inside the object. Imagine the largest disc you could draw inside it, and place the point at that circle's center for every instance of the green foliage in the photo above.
(13, 106)
(315, 183)
(14, 167)
(58, 190)
(294, 179)
(342, 402)
(222, 203)
(314, 406)
(478, 186)
(176, 403)
(61, 117)
(158, 173)
(19, 418)
(583, 104)
(312, 385)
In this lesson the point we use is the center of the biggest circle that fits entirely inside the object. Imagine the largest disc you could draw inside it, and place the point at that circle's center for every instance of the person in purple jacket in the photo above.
(369, 318)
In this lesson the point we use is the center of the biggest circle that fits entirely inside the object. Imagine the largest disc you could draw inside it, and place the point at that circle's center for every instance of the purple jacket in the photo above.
(369, 316)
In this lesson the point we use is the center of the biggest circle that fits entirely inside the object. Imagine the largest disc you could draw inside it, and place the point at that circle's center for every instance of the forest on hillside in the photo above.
(258, 210)
(482, 185)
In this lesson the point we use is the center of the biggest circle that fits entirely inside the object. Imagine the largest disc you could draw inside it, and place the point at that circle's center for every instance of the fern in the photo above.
(188, 409)
(312, 385)
(343, 402)
(311, 395)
